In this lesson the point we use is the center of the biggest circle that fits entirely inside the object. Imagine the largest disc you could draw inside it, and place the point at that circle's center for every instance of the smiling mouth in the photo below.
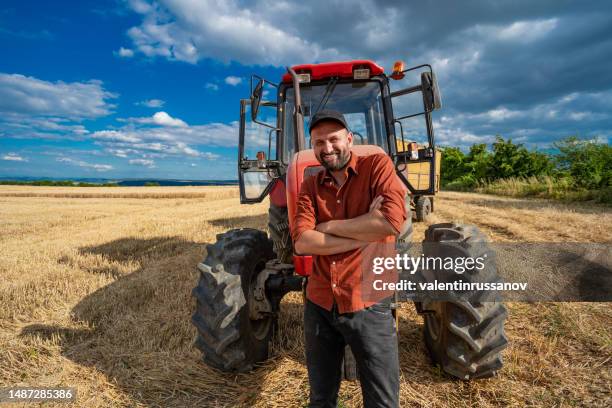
(330, 156)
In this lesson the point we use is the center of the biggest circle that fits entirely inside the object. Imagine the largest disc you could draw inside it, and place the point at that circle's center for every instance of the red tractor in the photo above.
(247, 272)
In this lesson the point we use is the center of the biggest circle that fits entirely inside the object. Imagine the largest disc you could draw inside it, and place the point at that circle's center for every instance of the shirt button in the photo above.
(334, 262)
(333, 285)
(338, 201)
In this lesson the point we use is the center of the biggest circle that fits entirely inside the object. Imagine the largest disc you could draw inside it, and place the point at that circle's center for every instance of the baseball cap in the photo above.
(327, 114)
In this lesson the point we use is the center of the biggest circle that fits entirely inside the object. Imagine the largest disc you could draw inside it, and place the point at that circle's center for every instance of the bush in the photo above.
(514, 160)
(543, 187)
(582, 170)
(467, 182)
(587, 162)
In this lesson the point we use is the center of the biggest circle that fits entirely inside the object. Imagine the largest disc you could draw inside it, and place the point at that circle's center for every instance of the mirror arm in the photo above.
(405, 91)
(264, 124)
(262, 79)
(300, 140)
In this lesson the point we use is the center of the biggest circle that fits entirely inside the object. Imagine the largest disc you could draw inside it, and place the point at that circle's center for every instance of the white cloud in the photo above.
(536, 126)
(22, 95)
(142, 138)
(526, 31)
(163, 119)
(183, 148)
(140, 6)
(34, 127)
(14, 157)
(579, 115)
(501, 114)
(233, 80)
(210, 156)
(211, 86)
(118, 152)
(80, 163)
(188, 31)
(116, 136)
(159, 118)
(125, 52)
(143, 162)
(152, 103)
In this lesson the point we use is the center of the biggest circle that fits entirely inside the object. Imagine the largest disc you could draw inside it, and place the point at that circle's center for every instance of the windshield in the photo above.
(360, 102)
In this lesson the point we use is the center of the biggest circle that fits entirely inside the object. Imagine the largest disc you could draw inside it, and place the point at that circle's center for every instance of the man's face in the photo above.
(332, 144)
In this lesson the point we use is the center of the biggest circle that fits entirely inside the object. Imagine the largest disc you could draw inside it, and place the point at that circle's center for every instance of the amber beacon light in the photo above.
(398, 67)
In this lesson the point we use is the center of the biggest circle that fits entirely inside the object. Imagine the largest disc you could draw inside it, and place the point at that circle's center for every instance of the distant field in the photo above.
(118, 192)
(95, 293)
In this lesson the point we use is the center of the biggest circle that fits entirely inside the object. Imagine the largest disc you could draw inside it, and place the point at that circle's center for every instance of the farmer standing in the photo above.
(352, 203)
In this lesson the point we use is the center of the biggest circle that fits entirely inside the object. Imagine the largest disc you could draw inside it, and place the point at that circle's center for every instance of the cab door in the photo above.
(258, 164)
(416, 158)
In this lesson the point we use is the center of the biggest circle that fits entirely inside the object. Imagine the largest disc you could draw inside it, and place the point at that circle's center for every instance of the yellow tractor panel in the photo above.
(417, 173)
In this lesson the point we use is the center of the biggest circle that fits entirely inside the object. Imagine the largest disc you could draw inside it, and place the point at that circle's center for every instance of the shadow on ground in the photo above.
(246, 221)
(137, 332)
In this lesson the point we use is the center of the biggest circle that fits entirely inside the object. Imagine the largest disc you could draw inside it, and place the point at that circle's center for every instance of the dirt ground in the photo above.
(95, 294)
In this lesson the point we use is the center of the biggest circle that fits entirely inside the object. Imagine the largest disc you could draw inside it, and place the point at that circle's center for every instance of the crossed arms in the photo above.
(337, 236)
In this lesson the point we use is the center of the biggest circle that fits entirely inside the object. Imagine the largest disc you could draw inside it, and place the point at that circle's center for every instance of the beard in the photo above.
(341, 159)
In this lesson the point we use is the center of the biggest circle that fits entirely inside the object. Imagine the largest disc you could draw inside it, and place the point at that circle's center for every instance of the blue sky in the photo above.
(118, 89)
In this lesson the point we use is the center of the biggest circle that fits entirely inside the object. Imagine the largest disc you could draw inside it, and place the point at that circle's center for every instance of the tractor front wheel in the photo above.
(464, 335)
(230, 335)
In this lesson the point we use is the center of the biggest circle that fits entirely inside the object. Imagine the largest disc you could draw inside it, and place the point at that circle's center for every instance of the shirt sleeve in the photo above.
(386, 183)
(305, 218)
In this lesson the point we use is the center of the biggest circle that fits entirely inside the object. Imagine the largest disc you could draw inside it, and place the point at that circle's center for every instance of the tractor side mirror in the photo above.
(256, 99)
(431, 92)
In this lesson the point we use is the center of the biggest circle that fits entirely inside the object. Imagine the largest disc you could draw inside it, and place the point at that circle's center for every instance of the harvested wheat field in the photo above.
(96, 294)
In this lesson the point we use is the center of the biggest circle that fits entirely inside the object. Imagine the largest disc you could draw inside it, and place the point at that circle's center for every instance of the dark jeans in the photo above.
(371, 335)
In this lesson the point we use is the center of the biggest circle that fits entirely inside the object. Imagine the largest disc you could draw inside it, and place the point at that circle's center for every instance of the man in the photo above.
(354, 202)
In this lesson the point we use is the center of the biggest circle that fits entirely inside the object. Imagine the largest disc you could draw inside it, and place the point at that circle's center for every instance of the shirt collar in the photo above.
(350, 166)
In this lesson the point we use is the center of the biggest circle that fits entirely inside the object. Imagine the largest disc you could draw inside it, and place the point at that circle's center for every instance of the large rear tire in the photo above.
(422, 208)
(464, 336)
(278, 227)
(228, 338)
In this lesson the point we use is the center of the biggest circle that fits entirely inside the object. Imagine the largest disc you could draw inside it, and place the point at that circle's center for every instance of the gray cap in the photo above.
(327, 114)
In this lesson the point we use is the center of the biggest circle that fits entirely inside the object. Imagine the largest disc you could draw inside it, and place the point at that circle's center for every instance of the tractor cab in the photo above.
(274, 139)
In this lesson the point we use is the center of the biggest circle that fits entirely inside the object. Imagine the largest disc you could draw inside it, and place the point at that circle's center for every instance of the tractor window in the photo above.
(360, 102)
(414, 128)
(259, 138)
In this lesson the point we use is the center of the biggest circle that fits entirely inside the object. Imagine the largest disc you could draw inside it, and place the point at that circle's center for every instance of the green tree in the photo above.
(478, 161)
(588, 163)
(453, 164)
(514, 160)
